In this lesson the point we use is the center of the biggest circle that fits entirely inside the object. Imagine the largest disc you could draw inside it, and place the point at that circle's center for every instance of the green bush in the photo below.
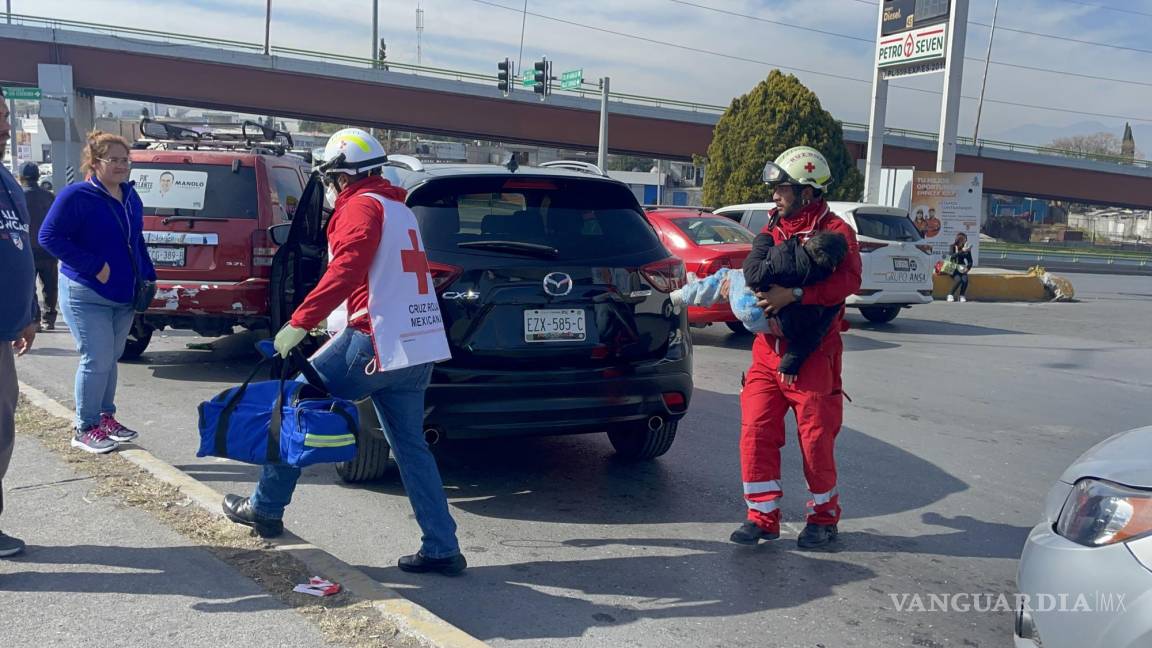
(776, 115)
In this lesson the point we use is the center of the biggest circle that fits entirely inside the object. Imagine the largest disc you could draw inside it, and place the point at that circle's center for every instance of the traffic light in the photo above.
(542, 78)
(504, 76)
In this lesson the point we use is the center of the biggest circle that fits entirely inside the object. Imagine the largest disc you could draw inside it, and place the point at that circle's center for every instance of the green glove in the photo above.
(287, 339)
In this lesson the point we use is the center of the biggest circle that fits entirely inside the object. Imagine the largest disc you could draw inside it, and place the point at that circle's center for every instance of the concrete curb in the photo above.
(411, 620)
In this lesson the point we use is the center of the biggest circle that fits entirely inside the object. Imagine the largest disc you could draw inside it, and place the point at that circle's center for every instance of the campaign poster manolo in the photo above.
(944, 204)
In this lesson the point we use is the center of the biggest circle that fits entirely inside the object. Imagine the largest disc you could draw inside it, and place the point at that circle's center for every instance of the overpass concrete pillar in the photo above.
(68, 116)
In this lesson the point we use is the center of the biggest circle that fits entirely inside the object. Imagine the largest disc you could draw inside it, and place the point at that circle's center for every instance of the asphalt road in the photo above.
(961, 417)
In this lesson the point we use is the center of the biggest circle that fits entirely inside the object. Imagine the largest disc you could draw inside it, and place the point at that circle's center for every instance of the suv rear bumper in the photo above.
(238, 299)
(544, 403)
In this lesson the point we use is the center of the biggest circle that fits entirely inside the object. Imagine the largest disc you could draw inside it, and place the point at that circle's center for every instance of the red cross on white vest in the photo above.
(416, 262)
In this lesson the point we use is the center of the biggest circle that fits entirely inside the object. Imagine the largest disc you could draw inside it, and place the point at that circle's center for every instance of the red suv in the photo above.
(706, 243)
(209, 197)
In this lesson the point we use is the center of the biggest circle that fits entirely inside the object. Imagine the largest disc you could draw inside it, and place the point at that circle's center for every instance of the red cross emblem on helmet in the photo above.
(809, 167)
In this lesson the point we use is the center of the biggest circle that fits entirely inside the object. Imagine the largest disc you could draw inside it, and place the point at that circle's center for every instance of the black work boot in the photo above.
(418, 563)
(239, 510)
(817, 536)
(750, 533)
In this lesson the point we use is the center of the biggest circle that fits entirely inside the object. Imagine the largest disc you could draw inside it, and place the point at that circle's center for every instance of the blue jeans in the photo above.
(100, 328)
(398, 397)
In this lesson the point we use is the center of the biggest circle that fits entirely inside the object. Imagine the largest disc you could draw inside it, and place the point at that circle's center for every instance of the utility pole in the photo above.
(984, 83)
(268, 28)
(419, 35)
(523, 22)
(375, 33)
(9, 5)
(602, 153)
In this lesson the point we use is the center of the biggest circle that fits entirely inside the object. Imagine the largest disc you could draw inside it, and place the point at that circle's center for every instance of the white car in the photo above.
(1085, 577)
(898, 266)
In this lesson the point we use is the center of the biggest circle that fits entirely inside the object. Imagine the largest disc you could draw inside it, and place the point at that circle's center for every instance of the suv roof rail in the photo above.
(689, 207)
(576, 165)
(247, 135)
(405, 162)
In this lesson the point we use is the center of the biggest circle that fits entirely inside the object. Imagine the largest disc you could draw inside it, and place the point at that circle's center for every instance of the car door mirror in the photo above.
(279, 233)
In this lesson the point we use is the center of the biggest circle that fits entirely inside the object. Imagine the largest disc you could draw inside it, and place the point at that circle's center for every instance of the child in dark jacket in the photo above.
(793, 264)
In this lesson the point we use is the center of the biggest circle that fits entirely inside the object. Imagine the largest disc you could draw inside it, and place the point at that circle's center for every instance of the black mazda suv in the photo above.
(554, 291)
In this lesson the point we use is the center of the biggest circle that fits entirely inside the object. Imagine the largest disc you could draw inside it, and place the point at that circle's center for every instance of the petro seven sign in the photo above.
(920, 50)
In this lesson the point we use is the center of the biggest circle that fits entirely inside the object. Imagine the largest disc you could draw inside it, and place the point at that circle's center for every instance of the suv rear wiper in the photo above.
(515, 247)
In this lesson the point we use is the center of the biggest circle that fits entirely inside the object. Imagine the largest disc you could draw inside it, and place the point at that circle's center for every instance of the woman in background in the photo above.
(961, 255)
(95, 228)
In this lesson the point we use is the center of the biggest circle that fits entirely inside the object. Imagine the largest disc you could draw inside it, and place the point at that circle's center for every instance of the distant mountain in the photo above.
(1041, 135)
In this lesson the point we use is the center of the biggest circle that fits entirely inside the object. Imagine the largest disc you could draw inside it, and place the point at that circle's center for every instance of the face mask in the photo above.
(331, 193)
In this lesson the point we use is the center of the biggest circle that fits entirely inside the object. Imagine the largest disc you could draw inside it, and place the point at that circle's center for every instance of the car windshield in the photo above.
(712, 230)
(886, 227)
(557, 217)
(196, 190)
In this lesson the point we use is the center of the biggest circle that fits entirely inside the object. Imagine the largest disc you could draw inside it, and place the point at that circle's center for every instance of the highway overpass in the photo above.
(220, 76)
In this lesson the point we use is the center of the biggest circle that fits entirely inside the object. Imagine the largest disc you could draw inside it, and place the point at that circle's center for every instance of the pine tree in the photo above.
(777, 114)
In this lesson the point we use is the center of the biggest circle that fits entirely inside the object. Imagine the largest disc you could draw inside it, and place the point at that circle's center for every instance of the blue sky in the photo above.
(472, 35)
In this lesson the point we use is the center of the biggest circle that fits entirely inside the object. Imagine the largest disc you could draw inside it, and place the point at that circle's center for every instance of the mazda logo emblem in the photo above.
(557, 284)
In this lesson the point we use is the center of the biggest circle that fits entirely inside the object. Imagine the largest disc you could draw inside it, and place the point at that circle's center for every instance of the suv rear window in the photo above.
(223, 194)
(710, 230)
(886, 227)
(578, 218)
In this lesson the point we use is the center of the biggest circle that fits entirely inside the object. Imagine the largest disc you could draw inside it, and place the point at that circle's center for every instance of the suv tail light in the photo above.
(924, 247)
(263, 249)
(443, 275)
(665, 276)
(712, 267)
(869, 246)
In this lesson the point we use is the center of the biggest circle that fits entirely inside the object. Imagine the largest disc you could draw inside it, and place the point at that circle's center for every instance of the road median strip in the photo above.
(365, 613)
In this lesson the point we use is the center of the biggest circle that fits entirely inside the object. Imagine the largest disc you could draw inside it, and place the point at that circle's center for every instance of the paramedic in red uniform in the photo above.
(377, 277)
(799, 178)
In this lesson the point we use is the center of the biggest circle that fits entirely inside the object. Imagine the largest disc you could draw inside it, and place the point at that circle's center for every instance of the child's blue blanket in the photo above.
(706, 292)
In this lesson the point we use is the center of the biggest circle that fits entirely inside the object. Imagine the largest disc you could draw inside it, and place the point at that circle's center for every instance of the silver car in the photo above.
(1085, 577)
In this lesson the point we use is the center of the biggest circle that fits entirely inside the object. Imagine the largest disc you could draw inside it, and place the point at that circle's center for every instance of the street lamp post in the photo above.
(375, 33)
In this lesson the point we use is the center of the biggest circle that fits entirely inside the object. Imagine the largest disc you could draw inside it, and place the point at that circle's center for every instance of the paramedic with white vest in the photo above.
(378, 293)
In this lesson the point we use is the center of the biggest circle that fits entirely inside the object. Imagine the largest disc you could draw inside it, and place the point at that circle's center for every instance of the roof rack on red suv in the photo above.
(247, 136)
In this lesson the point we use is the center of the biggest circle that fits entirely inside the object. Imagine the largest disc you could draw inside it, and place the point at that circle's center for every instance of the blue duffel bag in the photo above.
(279, 421)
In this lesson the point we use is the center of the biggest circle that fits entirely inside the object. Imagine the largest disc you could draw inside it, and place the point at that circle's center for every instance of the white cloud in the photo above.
(468, 35)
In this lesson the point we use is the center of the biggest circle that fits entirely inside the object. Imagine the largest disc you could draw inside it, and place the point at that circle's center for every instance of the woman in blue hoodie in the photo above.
(95, 228)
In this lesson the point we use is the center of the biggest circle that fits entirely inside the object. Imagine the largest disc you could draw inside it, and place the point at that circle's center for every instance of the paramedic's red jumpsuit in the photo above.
(815, 397)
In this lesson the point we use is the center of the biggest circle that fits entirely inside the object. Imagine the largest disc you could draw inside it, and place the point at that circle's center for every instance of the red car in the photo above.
(706, 243)
(208, 202)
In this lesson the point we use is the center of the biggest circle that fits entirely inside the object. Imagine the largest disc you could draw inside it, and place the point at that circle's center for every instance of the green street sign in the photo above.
(22, 94)
(572, 79)
(527, 82)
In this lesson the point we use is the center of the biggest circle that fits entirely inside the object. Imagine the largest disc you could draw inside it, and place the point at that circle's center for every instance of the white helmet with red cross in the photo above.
(353, 151)
(799, 165)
